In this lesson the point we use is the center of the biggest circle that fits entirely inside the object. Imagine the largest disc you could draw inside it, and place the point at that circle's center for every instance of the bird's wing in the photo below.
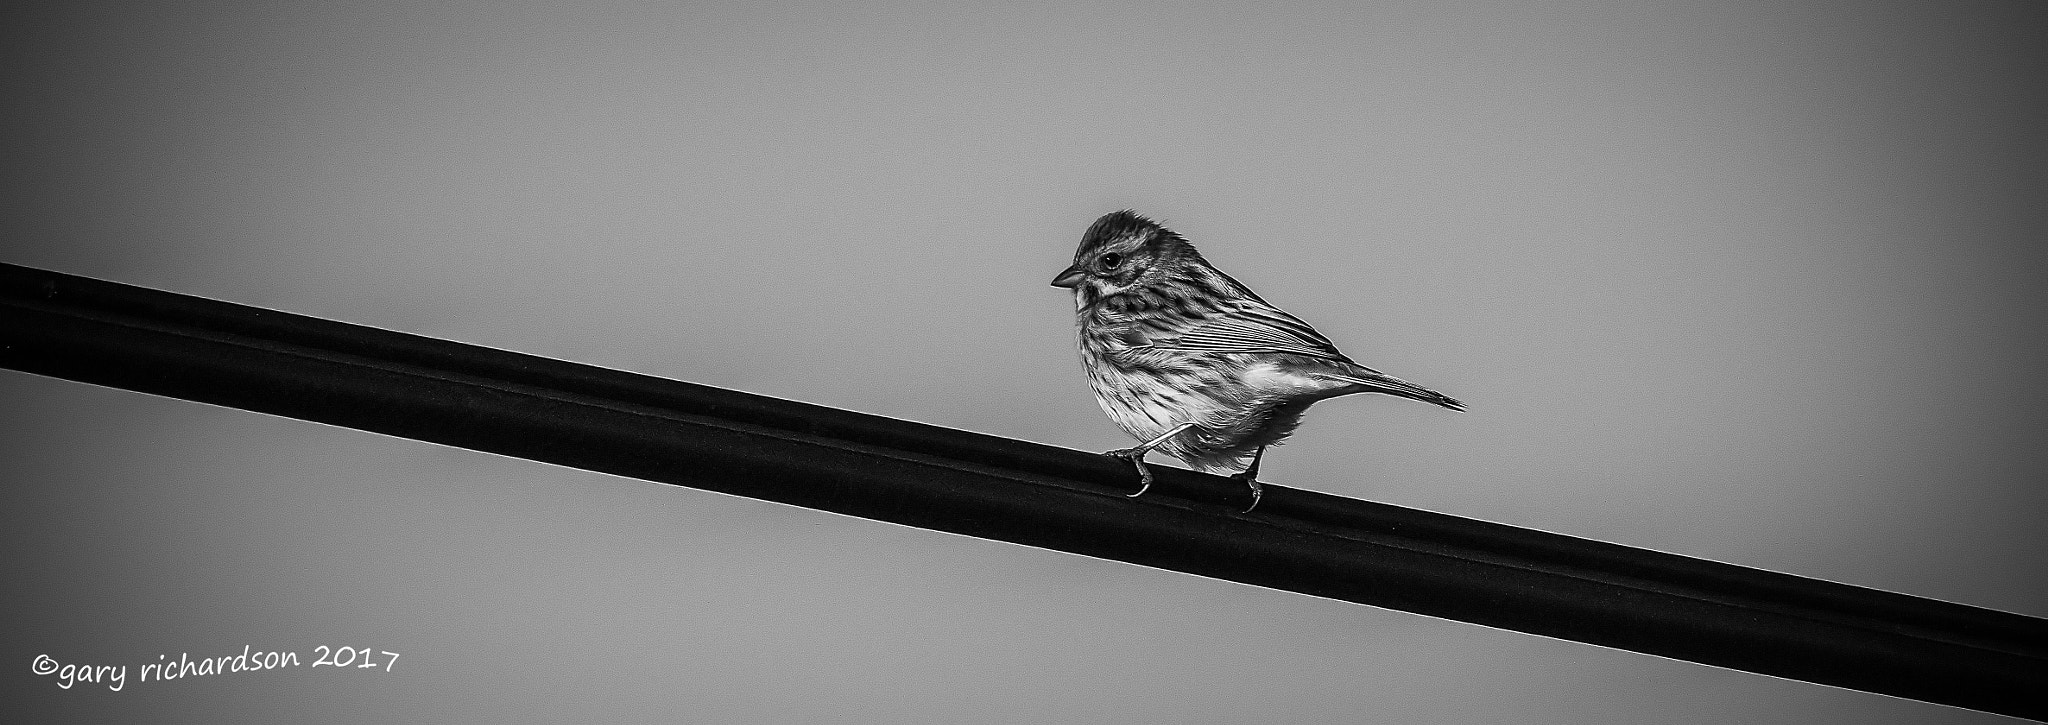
(1252, 326)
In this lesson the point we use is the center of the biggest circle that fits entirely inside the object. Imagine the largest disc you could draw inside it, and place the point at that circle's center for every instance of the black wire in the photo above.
(985, 486)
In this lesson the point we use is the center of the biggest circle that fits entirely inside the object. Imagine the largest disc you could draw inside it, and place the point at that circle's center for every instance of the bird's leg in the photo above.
(1136, 455)
(1251, 477)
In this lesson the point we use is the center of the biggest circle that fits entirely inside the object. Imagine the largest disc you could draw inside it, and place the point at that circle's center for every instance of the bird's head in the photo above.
(1121, 251)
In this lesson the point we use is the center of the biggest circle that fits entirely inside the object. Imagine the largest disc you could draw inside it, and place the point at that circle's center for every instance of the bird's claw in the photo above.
(1137, 458)
(1258, 491)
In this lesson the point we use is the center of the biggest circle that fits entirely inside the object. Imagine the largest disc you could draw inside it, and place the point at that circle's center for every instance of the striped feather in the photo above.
(1253, 327)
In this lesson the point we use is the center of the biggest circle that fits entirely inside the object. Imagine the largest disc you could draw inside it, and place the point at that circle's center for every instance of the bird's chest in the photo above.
(1146, 391)
(1146, 404)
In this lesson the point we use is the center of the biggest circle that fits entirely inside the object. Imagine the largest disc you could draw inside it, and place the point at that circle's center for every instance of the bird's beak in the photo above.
(1068, 278)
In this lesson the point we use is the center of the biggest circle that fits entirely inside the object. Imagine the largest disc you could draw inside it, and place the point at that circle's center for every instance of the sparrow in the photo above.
(1191, 362)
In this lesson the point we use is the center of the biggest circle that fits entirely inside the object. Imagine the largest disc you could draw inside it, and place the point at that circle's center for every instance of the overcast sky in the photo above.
(1754, 282)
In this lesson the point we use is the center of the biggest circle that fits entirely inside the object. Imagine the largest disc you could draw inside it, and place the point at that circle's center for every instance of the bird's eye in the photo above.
(1110, 261)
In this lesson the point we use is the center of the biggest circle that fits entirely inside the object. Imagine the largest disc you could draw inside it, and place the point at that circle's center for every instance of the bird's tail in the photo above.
(1373, 381)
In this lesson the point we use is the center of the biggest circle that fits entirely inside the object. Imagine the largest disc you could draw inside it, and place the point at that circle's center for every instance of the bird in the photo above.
(1194, 364)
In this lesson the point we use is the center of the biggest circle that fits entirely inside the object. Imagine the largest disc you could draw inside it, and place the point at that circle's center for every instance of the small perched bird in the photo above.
(1191, 362)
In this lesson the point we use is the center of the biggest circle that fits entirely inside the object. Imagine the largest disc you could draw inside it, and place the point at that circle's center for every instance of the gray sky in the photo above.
(1752, 282)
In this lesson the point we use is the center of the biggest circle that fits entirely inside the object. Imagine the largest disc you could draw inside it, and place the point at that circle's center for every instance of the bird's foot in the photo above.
(1251, 478)
(1137, 458)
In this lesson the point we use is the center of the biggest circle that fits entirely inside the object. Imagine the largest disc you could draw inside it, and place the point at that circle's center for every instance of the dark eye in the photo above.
(1110, 261)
